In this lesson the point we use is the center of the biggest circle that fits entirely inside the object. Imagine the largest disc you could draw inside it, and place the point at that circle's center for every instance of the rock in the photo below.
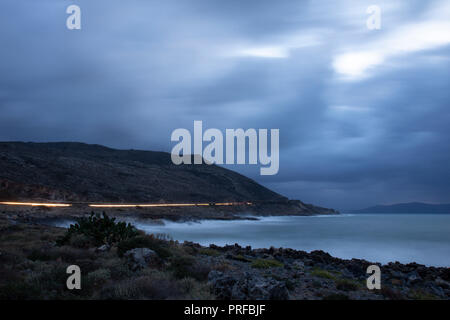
(246, 286)
(103, 248)
(442, 283)
(269, 290)
(222, 284)
(140, 257)
(398, 275)
(298, 265)
(413, 278)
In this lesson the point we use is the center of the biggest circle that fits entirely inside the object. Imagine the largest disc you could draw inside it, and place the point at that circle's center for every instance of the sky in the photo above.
(363, 114)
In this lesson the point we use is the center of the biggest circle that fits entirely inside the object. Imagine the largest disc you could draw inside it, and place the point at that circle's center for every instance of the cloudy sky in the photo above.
(363, 114)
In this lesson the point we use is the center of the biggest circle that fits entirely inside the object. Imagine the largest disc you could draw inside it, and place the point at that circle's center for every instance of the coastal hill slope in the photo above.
(78, 172)
(412, 207)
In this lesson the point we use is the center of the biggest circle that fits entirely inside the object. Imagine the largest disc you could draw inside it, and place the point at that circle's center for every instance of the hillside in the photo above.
(78, 172)
(413, 207)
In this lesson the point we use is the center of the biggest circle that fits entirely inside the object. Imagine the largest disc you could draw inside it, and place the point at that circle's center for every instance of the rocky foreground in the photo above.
(33, 262)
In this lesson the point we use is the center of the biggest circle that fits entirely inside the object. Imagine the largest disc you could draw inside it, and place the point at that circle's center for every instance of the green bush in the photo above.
(101, 229)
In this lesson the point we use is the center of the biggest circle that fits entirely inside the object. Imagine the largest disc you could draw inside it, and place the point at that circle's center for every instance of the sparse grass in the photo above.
(240, 257)
(266, 264)
(346, 285)
(209, 252)
(187, 267)
(421, 295)
(323, 274)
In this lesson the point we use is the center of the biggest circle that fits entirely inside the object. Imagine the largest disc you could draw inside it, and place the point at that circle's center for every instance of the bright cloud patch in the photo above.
(265, 52)
(427, 35)
(357, 63)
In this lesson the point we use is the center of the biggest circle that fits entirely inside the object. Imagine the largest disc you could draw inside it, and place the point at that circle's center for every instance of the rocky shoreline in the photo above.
(318, 275)
(179, 214)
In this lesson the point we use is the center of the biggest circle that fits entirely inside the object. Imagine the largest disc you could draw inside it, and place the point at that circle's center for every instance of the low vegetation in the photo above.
(33, 262)
(266, 263)
(99, 230)
(323, 274)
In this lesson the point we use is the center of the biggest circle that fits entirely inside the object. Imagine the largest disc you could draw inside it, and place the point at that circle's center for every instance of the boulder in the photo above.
(413, 278)
(140, 258)
(103, 248)
(442, 283)
(246, 286)
(298, 265)
(222, 284)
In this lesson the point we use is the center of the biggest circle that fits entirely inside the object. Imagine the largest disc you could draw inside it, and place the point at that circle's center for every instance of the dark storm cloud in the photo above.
(374, 130)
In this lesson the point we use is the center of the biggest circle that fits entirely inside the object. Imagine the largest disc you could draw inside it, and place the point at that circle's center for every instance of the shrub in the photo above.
(346, 285)
(101, 229)
(50, 283)
(209, 252)
(265, 264)
(98, 277)
(81, 241)
(187, 267)
(195, 290)
(155, 286)
(144, 241)
(117, 268)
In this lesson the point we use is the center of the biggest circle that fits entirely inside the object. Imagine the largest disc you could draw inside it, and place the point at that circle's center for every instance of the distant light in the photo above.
(111, 205)
(34, 204)
(164, 205)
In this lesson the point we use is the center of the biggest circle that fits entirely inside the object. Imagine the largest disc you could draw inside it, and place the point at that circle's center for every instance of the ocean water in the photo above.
(421, 238)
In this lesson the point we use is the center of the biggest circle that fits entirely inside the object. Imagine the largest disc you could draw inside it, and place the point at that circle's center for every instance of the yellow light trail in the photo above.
(154, 205)
(35, 204)
(165, 205)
